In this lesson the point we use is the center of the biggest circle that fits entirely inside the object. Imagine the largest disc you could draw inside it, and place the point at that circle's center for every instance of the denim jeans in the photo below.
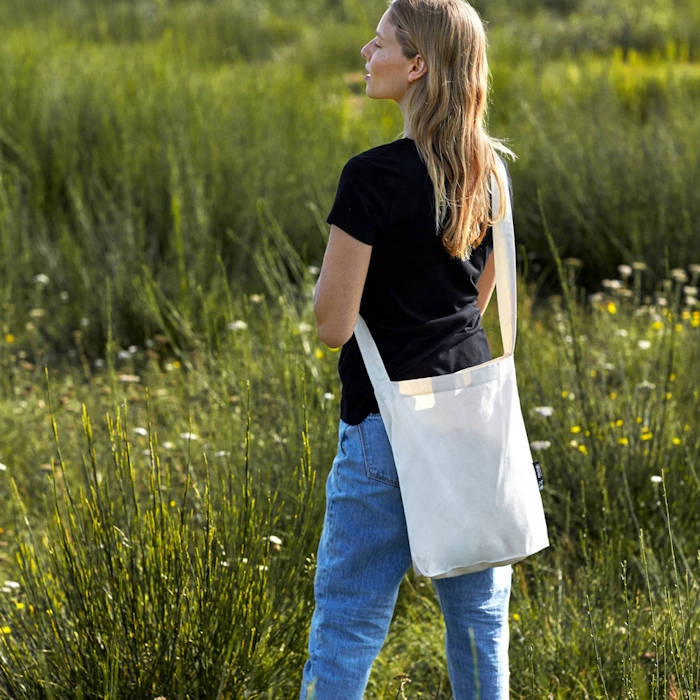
(362, 557)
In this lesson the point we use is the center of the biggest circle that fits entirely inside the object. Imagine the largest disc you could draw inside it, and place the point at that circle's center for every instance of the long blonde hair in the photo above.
(446, 115)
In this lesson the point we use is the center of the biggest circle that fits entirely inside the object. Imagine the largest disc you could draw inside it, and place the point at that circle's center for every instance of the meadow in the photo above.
(169, 415)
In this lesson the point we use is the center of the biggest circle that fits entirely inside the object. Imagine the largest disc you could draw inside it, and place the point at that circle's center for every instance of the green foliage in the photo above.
(136, 537)
(138, 140)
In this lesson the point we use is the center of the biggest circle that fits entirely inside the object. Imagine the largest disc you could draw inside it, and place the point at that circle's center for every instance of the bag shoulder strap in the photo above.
(506, 286)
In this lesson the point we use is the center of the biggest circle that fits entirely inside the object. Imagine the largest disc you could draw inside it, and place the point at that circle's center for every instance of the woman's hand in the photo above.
(339, 288)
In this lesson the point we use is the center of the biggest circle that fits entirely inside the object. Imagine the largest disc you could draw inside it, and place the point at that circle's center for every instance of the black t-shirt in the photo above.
(419, 302)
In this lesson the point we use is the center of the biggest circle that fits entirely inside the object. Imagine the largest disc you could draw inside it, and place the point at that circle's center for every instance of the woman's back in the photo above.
(418, 301)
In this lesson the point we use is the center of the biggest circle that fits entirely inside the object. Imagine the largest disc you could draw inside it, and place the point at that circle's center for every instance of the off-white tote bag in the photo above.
(468, 485)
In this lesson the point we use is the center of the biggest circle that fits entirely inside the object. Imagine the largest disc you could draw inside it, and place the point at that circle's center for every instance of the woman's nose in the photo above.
(363, 51)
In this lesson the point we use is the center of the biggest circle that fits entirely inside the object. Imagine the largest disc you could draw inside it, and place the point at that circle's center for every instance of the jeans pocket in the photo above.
(376, 450)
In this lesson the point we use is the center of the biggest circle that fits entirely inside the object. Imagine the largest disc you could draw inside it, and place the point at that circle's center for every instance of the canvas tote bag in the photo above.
(466, 474)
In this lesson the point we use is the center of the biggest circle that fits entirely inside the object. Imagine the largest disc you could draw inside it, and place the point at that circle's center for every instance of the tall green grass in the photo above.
(136, 537)
(142, 151)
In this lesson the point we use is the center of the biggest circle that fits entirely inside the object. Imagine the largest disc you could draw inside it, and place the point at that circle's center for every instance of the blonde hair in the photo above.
(446, 112)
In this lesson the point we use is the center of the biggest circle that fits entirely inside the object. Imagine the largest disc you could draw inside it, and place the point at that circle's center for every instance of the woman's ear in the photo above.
(418, 68)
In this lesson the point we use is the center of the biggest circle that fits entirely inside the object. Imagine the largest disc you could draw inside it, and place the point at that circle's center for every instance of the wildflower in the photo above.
(64, 296)
(318, 353)
(540, 445)
(176, 364)
(612, 395)
(275, 541)
(237, 325)
(36, 313)
(564, 394)
(84, 321)
(661, 301)
(690, 291)
(172, 504)
(41, 278)
(573, 443)
(516, 617)
(575, 428)
(5, 630)
(3, 467)
(9, 338)
(582, 449)
(619, 422)
(303, 327)
(638, 419)
(624, 270)
(596, 298)
(129, 378)
(256, 298)
(671, 377)
(644, 344)
(124, 355)
(607, 366)
(328, 396)
(622, 332)
(678, 327)
(222, 453)
(545, 411)
(639, 266)
(12, 584)
(668, 395)
(612, 309)
(594, 373)
(676, 440)
(167, 445)
(313, 270)
(679, 275)
(657, 325)
(656, 479)
(612, 284)
(647, 385)
(189, 436)
(141, 431)
(623, 441)
(647, 436)
(19, 605)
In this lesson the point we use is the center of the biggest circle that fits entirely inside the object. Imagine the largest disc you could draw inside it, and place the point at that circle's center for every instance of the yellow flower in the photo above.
(612, 309)
(176, 364)
(9, 338)
(685, 315)
(676, 441)
(647, 436)
(612, 395)
(594, 373)
(582, 448)
(623, 441)
(645, 428)
(668, 395)
(671, 377)
(639, 419)
(564, 394)
(19, 605)
(587, 433)
(172, 504)
(657, 325)
(619, 422)
(334, 349)
(679, 327)
(516, 617)
(319, 353)
(696, 319)
(575, 428)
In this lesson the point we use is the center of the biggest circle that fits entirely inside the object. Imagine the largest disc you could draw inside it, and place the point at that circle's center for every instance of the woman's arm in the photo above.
(486, 284)
(339, 288)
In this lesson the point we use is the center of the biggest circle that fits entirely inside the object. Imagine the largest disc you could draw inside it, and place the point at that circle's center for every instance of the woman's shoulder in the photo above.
(386, 154)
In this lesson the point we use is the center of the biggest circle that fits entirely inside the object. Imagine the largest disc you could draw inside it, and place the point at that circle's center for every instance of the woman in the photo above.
(410, 248)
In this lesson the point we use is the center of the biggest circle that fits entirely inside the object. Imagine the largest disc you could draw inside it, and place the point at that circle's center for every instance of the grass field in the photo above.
(169, 415)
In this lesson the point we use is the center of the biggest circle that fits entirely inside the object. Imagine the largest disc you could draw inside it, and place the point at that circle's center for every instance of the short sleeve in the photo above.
(358, 208)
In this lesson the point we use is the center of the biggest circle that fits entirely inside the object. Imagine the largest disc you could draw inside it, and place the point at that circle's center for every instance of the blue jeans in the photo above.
(362, 557)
